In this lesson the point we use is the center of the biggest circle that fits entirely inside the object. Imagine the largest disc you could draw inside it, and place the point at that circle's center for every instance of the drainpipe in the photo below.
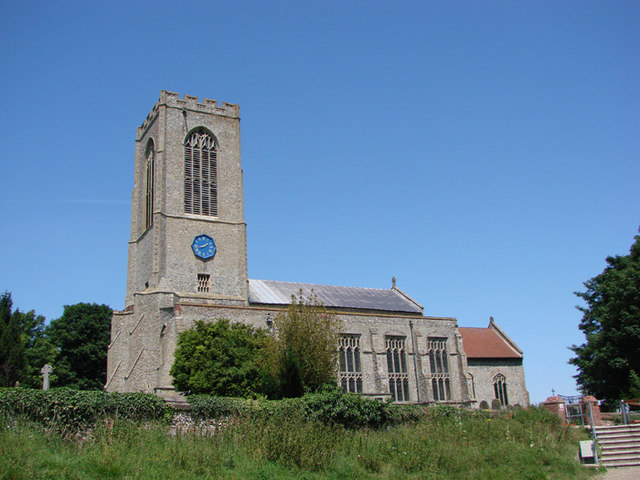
(415, 359)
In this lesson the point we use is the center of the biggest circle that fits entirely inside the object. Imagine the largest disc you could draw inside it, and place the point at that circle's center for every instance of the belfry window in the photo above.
(148, 206)
(200, 173)
(397, 368)
(438, 361)
(500, 389)
(350, 369)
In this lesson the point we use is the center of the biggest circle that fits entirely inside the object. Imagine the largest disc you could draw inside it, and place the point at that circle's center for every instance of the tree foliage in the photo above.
(13, 361)
(220, 358)
(38, 348)
(304, 354)
(609, 362)
(81, 337)
(233, 359)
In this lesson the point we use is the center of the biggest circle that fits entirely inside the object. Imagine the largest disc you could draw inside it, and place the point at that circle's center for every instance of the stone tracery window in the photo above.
(397, 368)
(350, 368)
(438, 360)
(200, 173)
(500, 389)
(150, 166)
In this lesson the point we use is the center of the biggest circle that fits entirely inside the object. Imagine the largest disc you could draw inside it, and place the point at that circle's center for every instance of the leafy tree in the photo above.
(609, 362)
(220, 358)
(12, 355)
(81, 337)
(38, 348)
(290, 378)
(305, 346)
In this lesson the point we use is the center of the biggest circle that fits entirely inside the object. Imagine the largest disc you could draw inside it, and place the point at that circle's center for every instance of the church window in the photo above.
(500, 389)
(397, 368)
(350, 369)
(204, 282)
(148, 207)
(200, 173)
(439, 364)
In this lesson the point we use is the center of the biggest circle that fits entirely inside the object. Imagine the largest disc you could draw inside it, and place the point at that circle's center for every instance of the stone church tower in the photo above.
(188, 182)
(188, 235)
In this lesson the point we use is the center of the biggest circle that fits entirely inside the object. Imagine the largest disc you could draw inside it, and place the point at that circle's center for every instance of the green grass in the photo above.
(445, 444)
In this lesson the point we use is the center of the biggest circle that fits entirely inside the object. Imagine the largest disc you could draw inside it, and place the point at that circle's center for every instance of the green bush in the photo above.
(333, 407)
(330, 406)
(220, 358)
(70, 411)
(205, 407)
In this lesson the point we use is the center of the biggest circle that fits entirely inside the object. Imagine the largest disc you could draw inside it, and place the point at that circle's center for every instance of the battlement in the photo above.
(189, 102)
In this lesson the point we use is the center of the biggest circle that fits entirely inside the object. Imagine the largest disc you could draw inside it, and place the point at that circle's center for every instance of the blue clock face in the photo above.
(203, 246)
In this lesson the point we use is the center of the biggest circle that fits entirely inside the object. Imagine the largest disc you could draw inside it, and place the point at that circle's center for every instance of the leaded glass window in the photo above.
(439, 367)
(349, 368)
(200, 173)
(148, 206)
(500, 389)
(397, 368)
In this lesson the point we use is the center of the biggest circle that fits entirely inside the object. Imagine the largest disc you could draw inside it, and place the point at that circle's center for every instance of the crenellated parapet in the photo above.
(191, 103)
(153, 114)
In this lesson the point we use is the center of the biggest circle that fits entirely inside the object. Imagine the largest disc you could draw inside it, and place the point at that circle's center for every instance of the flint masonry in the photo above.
(188, 261)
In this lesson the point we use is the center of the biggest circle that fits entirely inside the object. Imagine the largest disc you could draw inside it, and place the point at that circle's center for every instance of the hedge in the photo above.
(70, 411)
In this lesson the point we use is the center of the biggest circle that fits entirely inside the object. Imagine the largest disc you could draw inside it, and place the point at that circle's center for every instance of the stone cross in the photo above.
(46, 371)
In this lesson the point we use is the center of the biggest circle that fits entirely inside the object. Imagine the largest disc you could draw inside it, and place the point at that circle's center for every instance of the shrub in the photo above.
(333, 407)
(329, 406)
(303, 355)
(69, 411)
(205, 407)
(220, 358)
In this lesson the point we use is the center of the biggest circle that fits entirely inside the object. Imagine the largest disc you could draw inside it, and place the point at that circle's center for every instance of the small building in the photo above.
(187, 261)
(494, 364)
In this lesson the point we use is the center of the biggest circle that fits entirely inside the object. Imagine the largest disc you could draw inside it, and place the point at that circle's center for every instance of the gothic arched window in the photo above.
(397, 368)
(349, 367)
(500, 389)
(440, 383)
(148, 205)
(200, 173)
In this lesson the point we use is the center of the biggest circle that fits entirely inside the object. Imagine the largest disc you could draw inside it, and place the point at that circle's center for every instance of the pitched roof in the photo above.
(279, 293)
(490, 342)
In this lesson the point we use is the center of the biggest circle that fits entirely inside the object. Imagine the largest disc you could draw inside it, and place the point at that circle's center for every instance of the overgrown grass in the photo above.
(445, 443)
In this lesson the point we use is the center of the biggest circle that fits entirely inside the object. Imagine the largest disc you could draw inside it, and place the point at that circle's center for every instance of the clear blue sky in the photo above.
(484, 153)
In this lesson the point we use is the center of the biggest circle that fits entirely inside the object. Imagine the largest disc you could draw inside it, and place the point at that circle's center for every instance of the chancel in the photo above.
(187, 261)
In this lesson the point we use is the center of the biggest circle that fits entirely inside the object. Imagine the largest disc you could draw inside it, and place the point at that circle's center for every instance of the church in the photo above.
(187, 261)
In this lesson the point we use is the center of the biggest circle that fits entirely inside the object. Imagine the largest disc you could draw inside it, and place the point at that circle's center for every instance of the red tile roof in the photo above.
(486, 343)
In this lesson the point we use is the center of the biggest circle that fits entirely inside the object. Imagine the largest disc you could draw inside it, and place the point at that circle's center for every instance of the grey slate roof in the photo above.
(279, 293)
